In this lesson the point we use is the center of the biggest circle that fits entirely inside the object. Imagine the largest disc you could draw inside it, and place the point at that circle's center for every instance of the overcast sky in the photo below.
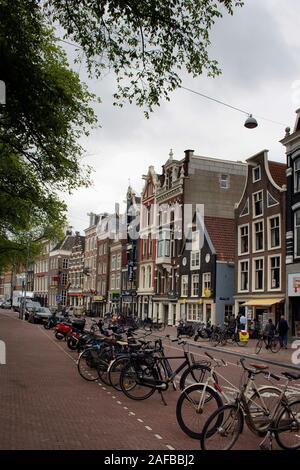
(258, 50)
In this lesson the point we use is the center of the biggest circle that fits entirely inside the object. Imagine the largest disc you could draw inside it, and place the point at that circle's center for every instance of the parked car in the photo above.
(30, 306)
(6, 304)
(39, 314)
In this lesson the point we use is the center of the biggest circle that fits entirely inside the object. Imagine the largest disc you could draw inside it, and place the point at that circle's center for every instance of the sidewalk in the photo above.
(282, 358)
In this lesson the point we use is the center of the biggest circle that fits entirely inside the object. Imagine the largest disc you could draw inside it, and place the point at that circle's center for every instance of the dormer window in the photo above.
(256, 173)
(169, 179)
(297, 175)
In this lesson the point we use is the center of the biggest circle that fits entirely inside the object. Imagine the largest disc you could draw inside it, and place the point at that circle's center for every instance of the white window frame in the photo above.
(269, 232)
(193, 255)
(246, 204)
(194, 276)
(240, 275)
(295, 237)
(253, 204)
(205, 281)
(271, 205)
(270, 288)
(223, 180)
(113, 262)
(240, 240)
(185, 284)
(253, 173)
(254, 250)
(112, 282)
(295, 174)
(254, 274)
(119, 261)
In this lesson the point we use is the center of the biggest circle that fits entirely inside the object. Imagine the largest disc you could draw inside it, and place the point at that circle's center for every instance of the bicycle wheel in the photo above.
(215, 339)
(287, 426)
(114, 371)
(87, 365)
(261, 404)
(258, 346)
(275, 345)
(195, 404)
(160, 326)
(197, 373)
(222, 429)
(131, 381)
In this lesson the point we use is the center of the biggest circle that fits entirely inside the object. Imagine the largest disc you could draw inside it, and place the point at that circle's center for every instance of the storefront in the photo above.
(259, 311)
(294, 303)
(98, 305)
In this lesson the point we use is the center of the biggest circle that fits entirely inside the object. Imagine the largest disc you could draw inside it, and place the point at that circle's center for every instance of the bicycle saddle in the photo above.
(291, 376)
(259, 366)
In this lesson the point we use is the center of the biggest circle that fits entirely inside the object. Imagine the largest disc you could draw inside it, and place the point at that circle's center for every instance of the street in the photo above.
(45, 404)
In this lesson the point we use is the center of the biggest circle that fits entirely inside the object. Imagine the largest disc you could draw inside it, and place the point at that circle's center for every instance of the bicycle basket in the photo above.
(243, 336)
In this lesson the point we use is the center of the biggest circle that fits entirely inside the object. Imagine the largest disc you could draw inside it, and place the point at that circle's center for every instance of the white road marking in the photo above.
(157, 436)
(170, 447)
(148, 428)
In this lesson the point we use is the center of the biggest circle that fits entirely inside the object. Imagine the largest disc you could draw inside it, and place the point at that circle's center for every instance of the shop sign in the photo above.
(294, 285)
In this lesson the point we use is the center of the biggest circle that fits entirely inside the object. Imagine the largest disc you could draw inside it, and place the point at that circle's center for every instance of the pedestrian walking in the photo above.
(283, 328)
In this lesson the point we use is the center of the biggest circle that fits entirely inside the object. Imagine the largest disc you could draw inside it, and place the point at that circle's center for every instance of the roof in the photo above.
(278, 172)
(221, 232)
(67, 243)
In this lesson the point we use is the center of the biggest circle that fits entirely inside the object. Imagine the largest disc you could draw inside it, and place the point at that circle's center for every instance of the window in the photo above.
(195, 241)
(297, 175)
(64, 279)
(244, 239)
(228, 313)
(194, 313)
(104, 248)
(256, 174)
(103, 287)
(143, 277)
(149, 275)
(258, 236)
(274, 232)
(104, 268)
(100, 250)
(195, 259)
(149, 246)
(258, 204)
(258, 274)
(206, 283)
(275, 272)
(119, 262)
(118, 281)
(160, 248)
(63, 297)
(224, 182)
(271, 201)
(245, 210)
(244, 275)
(167, 248)
(184, 286)
(112, 281)
(65, 263)
(297, 233)
(195, 285)
(113, 262)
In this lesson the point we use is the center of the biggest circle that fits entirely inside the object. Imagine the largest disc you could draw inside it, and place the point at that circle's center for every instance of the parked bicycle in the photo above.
(147, 372)
(198, 401)
(271, 343)
(282, 421)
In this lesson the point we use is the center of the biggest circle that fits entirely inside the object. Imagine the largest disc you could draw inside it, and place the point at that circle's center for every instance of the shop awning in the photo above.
(262, 302)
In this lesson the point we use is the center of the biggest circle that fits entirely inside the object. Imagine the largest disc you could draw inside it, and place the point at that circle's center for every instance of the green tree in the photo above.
(47, 109)
(145, 42)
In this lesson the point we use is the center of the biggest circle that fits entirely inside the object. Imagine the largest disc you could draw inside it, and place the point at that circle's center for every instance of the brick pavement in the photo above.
(45, 404)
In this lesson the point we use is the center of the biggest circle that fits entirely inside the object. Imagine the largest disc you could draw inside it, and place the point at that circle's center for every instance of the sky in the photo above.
(258, 50)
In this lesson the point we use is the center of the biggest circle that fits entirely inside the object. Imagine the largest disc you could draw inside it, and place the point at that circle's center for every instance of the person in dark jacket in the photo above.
(269, 331)
(283, 329)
